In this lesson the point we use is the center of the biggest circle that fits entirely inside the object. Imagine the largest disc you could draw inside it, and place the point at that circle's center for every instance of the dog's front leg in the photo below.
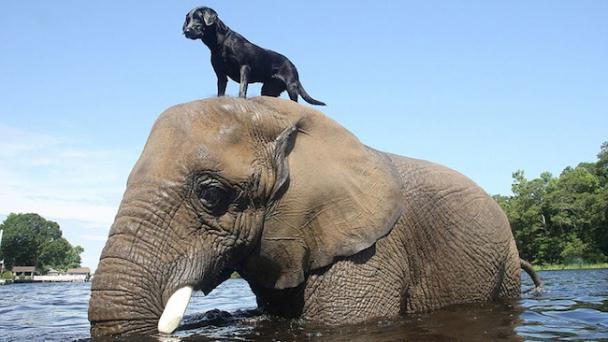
(244, 81)
(222, 81)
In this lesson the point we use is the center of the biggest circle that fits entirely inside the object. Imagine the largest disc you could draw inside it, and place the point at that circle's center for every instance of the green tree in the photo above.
(54, 253)
(575, 203)
(528, 216)
(29, 239)
(574, 250)
(73, 260)
(601, 166)
(24, 234)
(600, 233)
(561, 219)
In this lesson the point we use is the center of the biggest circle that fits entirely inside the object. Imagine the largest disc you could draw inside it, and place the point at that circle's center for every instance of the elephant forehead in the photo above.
(212, 111)
(221, 143)
(234, 162)
(196, 138)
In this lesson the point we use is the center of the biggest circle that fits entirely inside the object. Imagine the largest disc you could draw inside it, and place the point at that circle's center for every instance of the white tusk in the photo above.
(174, 310)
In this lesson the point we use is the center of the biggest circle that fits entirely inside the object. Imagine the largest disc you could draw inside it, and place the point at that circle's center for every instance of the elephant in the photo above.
(321, 226)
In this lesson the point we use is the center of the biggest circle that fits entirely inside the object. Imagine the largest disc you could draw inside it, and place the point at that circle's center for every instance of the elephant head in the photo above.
(265, 186)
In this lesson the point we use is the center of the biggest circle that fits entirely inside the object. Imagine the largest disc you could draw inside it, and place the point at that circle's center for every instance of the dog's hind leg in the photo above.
(292, 90)
(273, 88)
(244, 81)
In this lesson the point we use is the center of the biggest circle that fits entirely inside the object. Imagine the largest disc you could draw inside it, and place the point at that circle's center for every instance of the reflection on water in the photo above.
(35, 312)
(574, 306)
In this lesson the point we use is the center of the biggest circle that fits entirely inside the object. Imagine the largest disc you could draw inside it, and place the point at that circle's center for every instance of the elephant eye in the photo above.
(214, 197)
(211, 196)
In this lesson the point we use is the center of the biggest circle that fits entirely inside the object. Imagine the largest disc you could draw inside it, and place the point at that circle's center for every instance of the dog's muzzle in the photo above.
(191, 33)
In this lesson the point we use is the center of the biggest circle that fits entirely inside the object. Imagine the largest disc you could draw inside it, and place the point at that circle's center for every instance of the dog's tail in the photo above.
(307, 97)
(538, 284)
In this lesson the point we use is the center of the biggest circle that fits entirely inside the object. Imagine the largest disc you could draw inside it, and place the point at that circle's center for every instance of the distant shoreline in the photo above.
(560, 267)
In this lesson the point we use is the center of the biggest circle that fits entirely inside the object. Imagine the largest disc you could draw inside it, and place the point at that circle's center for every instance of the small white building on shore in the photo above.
(83, 272)
(72, 275)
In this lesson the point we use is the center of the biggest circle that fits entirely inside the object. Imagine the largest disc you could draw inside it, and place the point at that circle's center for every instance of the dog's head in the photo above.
(198, 22)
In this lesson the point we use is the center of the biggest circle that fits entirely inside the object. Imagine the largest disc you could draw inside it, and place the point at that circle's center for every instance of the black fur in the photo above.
(234, 56)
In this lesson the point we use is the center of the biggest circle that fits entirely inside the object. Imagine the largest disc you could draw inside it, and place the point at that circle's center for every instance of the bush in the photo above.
(573, 251)
(6, 275)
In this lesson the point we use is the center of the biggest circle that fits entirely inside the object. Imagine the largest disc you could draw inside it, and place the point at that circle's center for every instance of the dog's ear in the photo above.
(210, 16)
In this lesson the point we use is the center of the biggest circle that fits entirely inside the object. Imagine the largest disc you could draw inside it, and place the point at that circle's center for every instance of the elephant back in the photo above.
(455, 234)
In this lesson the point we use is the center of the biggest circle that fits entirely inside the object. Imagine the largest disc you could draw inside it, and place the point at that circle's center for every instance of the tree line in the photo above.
(31, 240)
(563, 219)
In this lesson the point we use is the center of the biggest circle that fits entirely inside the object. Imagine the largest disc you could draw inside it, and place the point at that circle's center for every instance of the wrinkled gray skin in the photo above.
(321, 226)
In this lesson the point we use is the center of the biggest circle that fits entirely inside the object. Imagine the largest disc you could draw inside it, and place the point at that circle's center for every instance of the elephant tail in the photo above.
(538, 284)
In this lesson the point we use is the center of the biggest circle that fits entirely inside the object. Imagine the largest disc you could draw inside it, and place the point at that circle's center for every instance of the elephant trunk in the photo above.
(145, 278)
(121, 302)
(133, 283)
(124, 304)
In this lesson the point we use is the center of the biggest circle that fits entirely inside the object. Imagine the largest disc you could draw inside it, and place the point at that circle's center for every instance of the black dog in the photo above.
(234, 56)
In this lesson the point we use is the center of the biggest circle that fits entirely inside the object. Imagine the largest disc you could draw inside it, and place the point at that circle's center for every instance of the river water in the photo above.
(574, 306)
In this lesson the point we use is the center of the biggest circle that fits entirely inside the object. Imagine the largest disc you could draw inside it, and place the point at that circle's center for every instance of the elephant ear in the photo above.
(333, 197)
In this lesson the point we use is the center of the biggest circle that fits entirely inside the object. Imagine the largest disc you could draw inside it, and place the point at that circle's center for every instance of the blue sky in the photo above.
(484, 87)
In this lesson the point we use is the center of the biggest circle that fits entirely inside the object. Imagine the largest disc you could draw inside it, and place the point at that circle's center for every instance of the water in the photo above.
(574, 306)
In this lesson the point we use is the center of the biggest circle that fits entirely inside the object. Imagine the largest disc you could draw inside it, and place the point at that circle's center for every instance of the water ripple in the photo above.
(573, 307)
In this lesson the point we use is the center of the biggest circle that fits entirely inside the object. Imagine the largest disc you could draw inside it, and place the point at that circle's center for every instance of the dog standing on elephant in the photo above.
(234, 56)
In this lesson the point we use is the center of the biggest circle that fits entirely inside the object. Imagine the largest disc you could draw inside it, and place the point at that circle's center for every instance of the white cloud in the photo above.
(18, 200)
(63, 180)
